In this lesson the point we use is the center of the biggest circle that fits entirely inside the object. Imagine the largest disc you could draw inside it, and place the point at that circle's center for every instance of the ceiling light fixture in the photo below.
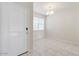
(50, 9)
(50, 13)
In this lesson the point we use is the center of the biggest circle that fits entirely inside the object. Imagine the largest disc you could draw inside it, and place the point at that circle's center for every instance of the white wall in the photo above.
(63, 24)
(15, 18)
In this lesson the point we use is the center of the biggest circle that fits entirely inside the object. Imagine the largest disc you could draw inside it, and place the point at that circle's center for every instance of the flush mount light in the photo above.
(50, 13)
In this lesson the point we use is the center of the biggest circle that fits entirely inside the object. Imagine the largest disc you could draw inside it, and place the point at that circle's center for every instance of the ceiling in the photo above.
(23, 4)
(41, 7)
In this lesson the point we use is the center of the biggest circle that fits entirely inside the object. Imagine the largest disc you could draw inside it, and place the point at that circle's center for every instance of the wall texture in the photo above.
(64, 24)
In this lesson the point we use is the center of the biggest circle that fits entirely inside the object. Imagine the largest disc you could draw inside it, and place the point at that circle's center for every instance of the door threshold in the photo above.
(22, 53)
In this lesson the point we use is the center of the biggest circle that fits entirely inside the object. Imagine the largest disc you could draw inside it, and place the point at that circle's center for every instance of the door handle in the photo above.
(26, 29)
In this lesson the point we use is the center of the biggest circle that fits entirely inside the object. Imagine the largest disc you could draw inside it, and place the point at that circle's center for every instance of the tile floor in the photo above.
(54, 47)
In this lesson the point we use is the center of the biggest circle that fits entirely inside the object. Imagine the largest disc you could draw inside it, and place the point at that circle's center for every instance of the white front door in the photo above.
(13, 29)
(17, 30)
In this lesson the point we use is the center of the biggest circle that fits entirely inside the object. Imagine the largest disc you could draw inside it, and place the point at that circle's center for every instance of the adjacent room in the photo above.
(55, 29)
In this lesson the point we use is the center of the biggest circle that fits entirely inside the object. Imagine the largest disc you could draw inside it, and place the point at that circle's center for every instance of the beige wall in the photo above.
(64, 24)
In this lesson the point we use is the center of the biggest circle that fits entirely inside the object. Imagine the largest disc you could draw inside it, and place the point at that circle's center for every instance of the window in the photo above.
(38, 23)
